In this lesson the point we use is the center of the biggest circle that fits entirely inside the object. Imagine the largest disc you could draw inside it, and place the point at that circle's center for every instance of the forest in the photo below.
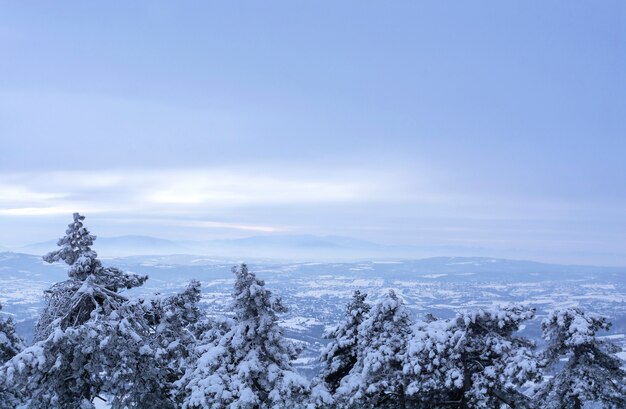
(96, 345)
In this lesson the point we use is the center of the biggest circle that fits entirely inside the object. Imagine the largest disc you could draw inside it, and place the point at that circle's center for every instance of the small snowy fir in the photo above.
(340, 354)
(249, 367)
(376, 380)
(592, 372)
(10, 345)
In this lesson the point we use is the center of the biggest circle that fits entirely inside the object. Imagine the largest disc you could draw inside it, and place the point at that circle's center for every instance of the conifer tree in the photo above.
(148, 366)
(472, 361)
(10, 342)
(592, 373)
(70, 303)
(10, 345)
(340, 354)
(376, 380)
(249, 367)
(73, 353)
(76, 250)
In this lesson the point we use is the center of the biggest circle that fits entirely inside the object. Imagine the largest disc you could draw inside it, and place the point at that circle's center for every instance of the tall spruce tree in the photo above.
(376, 379)
(73, 353)
(249, 367)
(90, 285)
(592, 372)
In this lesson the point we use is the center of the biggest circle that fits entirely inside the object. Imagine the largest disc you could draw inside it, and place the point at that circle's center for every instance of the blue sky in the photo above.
(493, 125)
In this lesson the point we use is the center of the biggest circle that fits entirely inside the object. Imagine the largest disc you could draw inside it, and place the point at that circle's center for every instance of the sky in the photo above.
(498, 126)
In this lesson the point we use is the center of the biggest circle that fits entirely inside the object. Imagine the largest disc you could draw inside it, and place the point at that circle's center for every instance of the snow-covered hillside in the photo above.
(316, 292)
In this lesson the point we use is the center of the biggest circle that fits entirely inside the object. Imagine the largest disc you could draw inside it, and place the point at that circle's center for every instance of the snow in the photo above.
(432, 351)
(299, 323)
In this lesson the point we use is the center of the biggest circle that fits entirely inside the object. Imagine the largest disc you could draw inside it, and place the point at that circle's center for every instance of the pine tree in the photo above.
(10, 342)
(432, 363)
(73, 353)
(376, 380)
(176, 318)
(340, 354)
(472, 361)
(592, 372)
(149, 364)
(208, 333)
(70, 303)
(320, 397)
(10, 345)
(76, 250)
(249, 367)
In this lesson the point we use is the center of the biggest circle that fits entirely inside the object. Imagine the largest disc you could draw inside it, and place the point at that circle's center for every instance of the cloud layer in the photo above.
(425, 124)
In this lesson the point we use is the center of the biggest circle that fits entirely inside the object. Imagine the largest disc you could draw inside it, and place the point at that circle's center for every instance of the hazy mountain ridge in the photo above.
(276, 246)
(292, 248)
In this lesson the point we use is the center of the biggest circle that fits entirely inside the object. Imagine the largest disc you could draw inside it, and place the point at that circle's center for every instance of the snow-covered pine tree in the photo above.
(376, 379)
(472, 361)
(75, 250)
(71, 356)
(208, 332)
(177, 318)
(10, 345)
(249, 367)
(592, 372)
(340, 354)
(148, 366)
(10, 342)
(70, 303)
(432, 364)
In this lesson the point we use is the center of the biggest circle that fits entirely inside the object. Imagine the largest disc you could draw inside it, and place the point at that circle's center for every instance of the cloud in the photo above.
(168, 192)
(385, 206)
(195, 223)
(41, 211)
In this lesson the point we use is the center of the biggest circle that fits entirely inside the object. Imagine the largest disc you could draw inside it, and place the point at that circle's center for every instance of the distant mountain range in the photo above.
(282, 247)
(117, 246)
(292, 248)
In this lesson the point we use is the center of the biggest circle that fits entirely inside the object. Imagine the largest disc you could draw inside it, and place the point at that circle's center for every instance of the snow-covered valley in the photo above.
(316, 293)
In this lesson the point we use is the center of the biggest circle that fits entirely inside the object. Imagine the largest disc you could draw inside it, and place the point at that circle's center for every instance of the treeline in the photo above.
(94, 343)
